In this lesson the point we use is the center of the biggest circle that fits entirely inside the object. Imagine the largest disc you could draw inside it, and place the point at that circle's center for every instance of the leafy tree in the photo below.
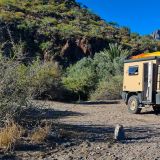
(103, 65)
(80, 77)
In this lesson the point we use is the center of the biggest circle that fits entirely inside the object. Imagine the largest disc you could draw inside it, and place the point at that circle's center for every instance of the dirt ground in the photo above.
(87, 133)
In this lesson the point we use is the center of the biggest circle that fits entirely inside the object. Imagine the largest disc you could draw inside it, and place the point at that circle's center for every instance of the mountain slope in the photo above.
(63, 30)
(156, 34)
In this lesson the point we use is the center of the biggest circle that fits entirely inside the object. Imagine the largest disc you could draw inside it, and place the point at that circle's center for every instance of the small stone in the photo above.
(98, 148)
(119, 133)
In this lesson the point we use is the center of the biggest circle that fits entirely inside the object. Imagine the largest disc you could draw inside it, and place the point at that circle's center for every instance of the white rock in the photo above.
(119, 133)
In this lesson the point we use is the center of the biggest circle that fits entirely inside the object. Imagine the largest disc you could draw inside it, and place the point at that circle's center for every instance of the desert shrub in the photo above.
(10, 134)
(43, 76)
(45, 82)
(20, 83)
(28, 25)
(13, 86)
(80, 77)
(46, 46)
(48, 21)
(40, 134)
(108, 65)
(108, 89)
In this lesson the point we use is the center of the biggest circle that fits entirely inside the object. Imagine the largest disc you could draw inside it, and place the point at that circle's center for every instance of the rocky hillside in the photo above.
(156, 35)
(63, 30)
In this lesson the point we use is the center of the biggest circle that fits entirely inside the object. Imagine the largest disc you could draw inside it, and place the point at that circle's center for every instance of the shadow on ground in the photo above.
(99, 102)
(67, 135)
(142, 134)
(31, 118)
(9, 157)
(38, 113)
(94, 133)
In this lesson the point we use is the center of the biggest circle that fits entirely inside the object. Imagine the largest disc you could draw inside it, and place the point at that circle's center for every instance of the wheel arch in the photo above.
(129, 94)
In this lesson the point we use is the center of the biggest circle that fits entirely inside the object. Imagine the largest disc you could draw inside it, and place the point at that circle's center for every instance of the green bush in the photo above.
(118, 64)
(108, 65)
(103, 65)
(46, 46)
(88, 74)
(80, 78)
(108, 89)
(109, 62)
(48, 21)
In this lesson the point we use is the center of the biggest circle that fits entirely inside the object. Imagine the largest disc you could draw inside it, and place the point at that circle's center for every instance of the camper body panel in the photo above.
(135, 82)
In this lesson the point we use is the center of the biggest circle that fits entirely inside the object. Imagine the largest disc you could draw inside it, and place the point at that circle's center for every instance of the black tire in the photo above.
(156, 108)
(133, 105)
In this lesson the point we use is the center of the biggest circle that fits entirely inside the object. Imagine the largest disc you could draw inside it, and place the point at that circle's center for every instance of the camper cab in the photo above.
(141, 84)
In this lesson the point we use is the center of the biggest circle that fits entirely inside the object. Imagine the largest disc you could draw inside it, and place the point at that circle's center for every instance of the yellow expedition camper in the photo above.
(141, 84)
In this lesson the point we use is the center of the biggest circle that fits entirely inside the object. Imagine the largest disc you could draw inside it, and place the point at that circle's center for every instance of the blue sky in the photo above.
(142, 16)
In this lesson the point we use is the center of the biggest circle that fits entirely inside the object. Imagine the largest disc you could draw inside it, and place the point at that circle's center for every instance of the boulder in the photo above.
(119, 133)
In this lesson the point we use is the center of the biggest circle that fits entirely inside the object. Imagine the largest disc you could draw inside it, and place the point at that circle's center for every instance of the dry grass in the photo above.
(40, 134)
(9, 135)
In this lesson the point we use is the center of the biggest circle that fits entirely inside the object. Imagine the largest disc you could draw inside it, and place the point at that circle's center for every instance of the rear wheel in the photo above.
(156, 108)
(133, 105)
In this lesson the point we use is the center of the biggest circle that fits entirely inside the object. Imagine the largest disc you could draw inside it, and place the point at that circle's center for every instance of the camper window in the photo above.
(133, 70)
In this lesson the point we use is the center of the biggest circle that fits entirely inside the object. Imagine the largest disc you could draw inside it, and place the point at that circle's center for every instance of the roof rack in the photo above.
(141, 59)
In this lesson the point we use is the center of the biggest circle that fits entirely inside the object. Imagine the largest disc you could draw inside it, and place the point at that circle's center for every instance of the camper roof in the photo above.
(141, 59)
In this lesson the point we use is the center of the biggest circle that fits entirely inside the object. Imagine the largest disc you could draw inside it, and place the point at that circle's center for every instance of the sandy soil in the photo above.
(87, 133)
